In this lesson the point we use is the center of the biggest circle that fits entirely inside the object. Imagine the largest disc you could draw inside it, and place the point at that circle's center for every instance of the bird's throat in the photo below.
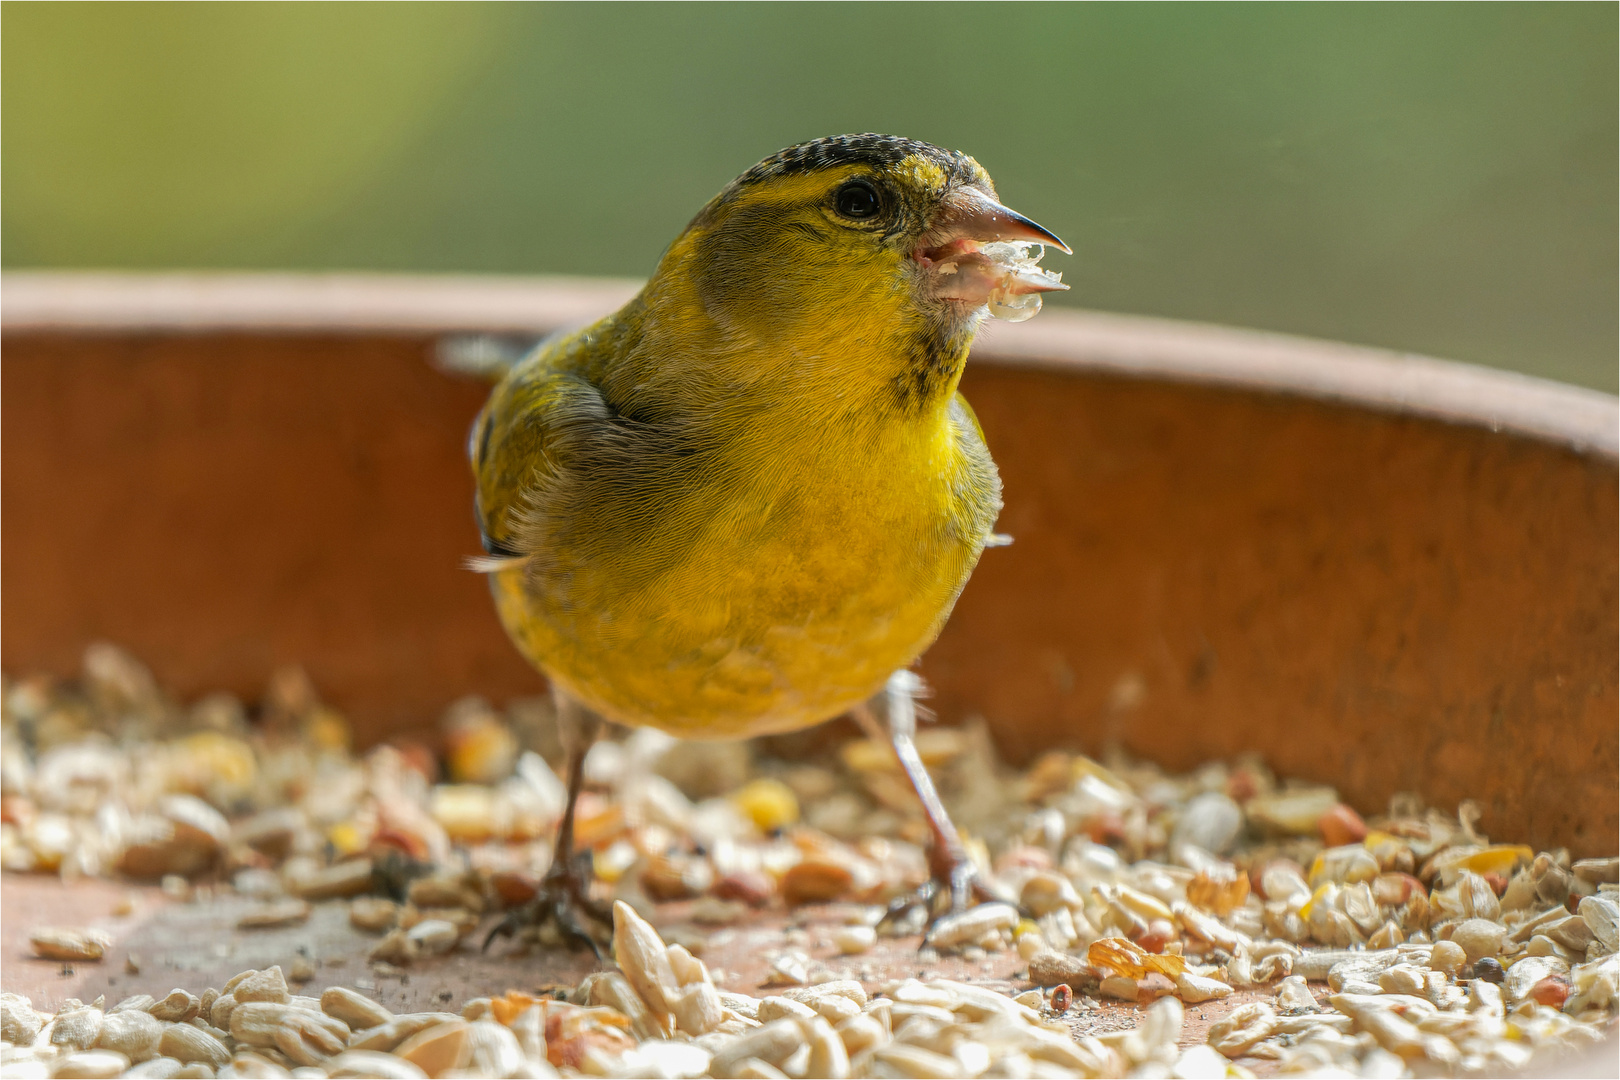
(933, 350)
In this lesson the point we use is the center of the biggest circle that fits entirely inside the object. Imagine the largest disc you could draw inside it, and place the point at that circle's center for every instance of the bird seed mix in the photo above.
(1221, 923)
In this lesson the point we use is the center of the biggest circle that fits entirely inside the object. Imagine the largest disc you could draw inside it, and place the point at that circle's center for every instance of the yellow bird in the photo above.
(747, 501)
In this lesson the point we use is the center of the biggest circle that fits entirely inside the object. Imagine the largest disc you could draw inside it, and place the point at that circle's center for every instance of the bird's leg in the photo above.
(952, 882)
(565, 890)
(567, 883)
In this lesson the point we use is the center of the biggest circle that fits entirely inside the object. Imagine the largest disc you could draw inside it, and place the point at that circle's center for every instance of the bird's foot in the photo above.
(563, 904)
(953, 888)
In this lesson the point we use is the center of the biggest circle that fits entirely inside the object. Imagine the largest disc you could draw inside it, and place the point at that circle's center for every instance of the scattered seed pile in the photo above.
(1407, 944)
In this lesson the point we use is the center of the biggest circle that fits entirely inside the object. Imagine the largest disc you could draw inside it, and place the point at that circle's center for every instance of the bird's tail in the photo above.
(494, 564)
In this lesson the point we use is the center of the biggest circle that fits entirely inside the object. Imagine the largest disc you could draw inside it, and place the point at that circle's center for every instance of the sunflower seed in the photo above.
(432, 937)
(19, 1023)
(916, 1062)
(354, 1009)
(641, 955)
(279, 913)
(385, 1037)
(327, 883)
(372, 913)
(361, 1064)
(69, 943)
(775, 1008)
(1195, 988)
(615, 991)
(493, 1050)
(698, 1010)
(770, 1043)
(76, 1026)
(1242, 1028)
(177, 1006)
(828, 1057)
(860, 1033)
(1600, 914)
(188, 1044)
(438, 1049)
(267, 985)
(973, 924)
(91, 1065)
(133, 1033)
(219, 1014)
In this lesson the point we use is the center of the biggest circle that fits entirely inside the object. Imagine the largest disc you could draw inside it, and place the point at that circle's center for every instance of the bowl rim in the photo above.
(1068, 340)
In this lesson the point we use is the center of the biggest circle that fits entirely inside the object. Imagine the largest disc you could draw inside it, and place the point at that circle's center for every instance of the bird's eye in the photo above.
(858, 199)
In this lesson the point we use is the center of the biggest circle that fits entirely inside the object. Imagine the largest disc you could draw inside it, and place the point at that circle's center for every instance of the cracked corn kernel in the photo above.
(769, 804)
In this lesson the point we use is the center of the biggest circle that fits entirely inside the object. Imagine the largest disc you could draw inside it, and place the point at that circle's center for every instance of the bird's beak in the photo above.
(959, 267)
(970, 214)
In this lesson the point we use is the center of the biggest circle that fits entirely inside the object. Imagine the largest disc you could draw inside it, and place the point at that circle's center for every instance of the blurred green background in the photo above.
(1435, 177)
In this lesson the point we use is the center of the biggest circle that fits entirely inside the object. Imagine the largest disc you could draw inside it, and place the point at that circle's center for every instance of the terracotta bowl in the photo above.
(1384, 572)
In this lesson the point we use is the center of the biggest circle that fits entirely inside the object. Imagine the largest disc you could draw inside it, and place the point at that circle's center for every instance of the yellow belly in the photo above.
(797, 600)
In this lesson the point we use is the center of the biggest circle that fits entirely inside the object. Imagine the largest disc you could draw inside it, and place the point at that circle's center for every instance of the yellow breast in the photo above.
(819, 560)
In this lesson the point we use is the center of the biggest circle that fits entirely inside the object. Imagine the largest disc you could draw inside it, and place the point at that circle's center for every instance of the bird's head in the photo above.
(859, 239)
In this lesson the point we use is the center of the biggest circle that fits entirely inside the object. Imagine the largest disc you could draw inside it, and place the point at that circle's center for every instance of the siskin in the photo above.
(746, 502)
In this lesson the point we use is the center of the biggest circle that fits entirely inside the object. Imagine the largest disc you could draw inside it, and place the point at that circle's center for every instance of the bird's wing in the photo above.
(565, 470)
(515, 446)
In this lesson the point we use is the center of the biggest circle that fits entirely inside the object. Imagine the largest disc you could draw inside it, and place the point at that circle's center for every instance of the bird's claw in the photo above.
(564, 896)
(953, 889)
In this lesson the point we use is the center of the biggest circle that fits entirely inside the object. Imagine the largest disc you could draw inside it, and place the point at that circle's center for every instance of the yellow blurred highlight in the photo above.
(769, 804)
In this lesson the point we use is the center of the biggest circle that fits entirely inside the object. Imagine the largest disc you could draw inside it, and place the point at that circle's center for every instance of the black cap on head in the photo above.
(866, 149)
